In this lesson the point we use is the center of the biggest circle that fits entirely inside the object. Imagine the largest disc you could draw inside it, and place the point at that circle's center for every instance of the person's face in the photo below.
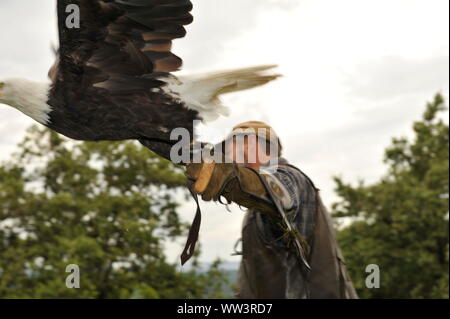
(246, 150)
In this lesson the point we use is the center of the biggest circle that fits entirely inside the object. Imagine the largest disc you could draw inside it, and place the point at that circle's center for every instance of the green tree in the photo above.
(106, 207)
(401, 222)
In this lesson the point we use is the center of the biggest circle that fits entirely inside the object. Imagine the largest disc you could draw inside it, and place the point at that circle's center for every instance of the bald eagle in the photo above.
(112, 77)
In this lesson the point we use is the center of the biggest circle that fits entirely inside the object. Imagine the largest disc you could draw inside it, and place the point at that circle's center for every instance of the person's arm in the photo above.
(241, 185)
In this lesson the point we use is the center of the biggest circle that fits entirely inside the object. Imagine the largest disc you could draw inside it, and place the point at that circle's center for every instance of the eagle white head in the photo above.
(27, 96)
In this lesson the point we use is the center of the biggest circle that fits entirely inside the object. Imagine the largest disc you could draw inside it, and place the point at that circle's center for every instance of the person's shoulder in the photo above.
(284, 167)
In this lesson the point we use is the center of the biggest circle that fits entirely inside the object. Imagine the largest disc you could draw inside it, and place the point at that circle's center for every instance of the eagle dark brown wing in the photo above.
(109, 72)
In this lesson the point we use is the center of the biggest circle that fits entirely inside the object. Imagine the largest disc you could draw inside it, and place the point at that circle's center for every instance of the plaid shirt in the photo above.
(302, 211)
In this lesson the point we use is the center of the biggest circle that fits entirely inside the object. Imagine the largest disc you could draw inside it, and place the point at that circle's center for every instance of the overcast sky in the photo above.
(356, 74)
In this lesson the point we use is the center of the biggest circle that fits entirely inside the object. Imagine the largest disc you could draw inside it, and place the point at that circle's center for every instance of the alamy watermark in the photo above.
(240, 147)
(73, 20)
(373, 279)
(73, 280)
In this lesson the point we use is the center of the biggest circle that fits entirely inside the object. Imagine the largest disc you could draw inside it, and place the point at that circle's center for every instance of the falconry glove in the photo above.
(239, 184)
(248, 189)
(210, 178)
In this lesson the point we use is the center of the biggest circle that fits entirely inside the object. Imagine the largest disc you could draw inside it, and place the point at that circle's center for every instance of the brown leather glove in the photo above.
(246, 189)
(210, 178)
(238, 184)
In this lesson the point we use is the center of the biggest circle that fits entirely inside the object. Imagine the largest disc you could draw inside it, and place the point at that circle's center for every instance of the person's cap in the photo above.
(260, 129)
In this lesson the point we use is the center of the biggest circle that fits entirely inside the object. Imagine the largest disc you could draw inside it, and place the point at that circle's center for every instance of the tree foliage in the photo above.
(107, 207)
(401, 221)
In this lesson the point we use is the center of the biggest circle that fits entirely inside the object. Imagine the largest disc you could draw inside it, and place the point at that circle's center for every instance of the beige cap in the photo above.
(260, 129)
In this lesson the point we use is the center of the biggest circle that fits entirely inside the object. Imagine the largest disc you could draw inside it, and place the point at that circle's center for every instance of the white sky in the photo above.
(356, 74)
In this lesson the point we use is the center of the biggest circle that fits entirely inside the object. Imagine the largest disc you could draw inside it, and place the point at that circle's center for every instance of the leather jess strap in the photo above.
(192, 239)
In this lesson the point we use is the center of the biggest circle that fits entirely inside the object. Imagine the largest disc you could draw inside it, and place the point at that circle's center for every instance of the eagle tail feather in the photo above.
(202, 92)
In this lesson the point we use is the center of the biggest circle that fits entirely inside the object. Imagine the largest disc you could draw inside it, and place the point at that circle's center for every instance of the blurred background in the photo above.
(356, 75)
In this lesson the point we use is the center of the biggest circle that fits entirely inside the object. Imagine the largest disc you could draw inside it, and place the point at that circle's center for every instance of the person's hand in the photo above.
(193, 171)
(209, 178)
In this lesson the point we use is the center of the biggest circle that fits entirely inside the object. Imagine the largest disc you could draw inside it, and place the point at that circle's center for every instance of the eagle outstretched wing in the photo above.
(112, 79)
(107, 81)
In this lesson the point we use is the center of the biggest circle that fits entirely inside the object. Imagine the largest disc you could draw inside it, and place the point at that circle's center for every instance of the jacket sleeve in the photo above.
(291, 188)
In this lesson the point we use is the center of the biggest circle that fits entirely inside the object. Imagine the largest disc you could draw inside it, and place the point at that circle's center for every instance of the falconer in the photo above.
(289, 248)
